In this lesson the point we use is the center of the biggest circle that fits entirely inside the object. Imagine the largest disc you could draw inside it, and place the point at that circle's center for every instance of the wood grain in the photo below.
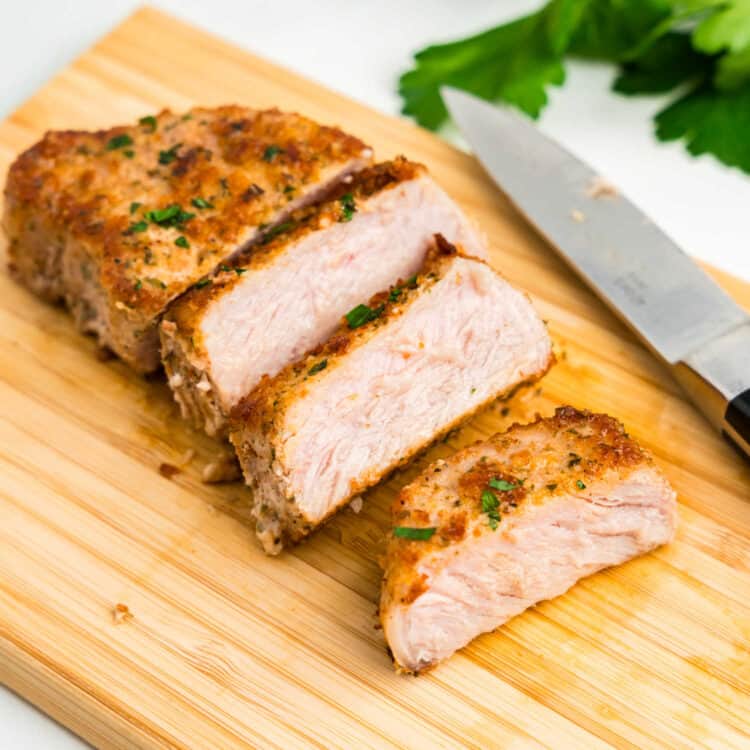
(227, 648)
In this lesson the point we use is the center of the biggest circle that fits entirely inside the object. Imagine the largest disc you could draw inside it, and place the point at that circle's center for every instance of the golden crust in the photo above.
(558, 455)
(242, 166)
(186, 313)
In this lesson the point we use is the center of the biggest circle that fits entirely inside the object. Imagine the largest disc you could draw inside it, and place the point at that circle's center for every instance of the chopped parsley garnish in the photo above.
(119, 141)
(240, 271)
(411, 282)
(156, 282)
(552, 486)
(491, 506)
(394, 294)
(408, 532)
(203, 282)
(201, 203)
(289, 189)
(128, 153)
(277, 230)
(149, 121)
(171, 216)
(318, 367)
(574, 459)
(182, 241)
(502, 485)
(580, 484)
(362, 314)
(348, 207)
(168, 156)
(138, 284)
(225, 268)
(271, 152)
(138, 226)
(134, 206)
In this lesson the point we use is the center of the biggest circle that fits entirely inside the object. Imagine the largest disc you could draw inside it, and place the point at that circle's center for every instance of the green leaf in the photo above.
(502, 485)
(726, 28)
(318, 367)
(668, 62)
(710, 122)
(514, 62)
(362, 314)
(616, 29)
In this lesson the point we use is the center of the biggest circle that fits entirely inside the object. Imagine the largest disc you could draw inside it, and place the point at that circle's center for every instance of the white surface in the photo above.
(359, 48)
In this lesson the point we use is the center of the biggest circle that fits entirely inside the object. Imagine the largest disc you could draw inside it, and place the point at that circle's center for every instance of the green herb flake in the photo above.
(128, 153)
(271, 153)
(318, 367)
(362, 314)
(201, 203)
(203, 282)
(171, 216)
(138, 226)
(409, 532)
(240, 271)
(580, 484)
(156, 282)
(552, 486)
(502, 485)
(138, 284)
(394, 294)
(182, 241)
(169, 155)
(411, 282)
(148, 122)
(491, 506)
(348, 207)
(134, 206)
(277, 230)
(119, 141)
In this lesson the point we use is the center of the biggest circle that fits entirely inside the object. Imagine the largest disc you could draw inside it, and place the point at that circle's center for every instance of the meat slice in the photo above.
(119, 222)
(279, 299)
(402, 371)
(512, 521)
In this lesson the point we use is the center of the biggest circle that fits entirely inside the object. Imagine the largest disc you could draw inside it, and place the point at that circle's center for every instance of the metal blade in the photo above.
(622, 254)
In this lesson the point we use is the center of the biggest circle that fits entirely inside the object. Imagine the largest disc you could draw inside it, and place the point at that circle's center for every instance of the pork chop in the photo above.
(512, 521)
(280, 298)
(401, 372)
(119, 222)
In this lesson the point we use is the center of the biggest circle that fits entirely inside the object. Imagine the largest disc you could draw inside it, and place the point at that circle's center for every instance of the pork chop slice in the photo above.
(509, 522)
(281, 298)
(401, 372)
(117, 223)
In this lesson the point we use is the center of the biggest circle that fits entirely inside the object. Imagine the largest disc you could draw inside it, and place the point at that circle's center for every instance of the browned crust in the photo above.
(186, 313)
(595, 445)
(82, 190)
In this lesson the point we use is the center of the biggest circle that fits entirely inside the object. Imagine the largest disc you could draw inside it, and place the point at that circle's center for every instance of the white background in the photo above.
(358, 48)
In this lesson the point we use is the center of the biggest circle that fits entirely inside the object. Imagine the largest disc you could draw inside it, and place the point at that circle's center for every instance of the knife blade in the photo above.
(676, 309)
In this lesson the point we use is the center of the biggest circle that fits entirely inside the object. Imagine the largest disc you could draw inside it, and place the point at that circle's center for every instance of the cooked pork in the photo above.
(401, 372)
(118, 222)
(279, 299)
(509, 522)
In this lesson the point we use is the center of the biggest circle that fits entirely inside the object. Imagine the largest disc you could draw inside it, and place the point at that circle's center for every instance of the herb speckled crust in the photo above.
(83, 198)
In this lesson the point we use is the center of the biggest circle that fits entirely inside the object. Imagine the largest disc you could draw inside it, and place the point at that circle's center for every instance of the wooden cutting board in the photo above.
(222, 647)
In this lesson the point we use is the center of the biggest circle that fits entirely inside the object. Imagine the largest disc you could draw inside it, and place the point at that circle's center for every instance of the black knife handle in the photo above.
(737, 418)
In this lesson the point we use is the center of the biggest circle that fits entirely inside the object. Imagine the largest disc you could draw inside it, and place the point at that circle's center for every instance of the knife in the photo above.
(675, 308)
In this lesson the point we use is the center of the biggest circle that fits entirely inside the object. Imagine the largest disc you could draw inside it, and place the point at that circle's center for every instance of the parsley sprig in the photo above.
(699, 49)
(362, 314)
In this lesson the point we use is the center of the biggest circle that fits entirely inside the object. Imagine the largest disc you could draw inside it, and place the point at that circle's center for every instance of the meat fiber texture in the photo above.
(435, 349)
(513, 521)
(279, 299)
(119, 222)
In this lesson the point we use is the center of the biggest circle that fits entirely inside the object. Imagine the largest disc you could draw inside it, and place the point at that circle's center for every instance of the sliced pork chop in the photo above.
(401, 372)
(118, 222)
(512, 521)
(279, 299)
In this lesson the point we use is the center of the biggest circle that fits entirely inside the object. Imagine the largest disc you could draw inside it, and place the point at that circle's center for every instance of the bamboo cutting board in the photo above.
(216, 645)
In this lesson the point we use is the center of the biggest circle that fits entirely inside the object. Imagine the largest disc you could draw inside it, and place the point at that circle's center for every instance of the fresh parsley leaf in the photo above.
(395, 293)
(348, 207)
(119, 141)
(491, 506)
(408, 532)
(362, 314)
(169, 155)
(201, 203)
(502, 485)
(138, 284)
(710, 121)
(277, 230)
(580, 484)
(134, 206)
(171, 216)
(240, 271)
(318, 367)
(148, 122)
(182, 241)
(203, 282)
